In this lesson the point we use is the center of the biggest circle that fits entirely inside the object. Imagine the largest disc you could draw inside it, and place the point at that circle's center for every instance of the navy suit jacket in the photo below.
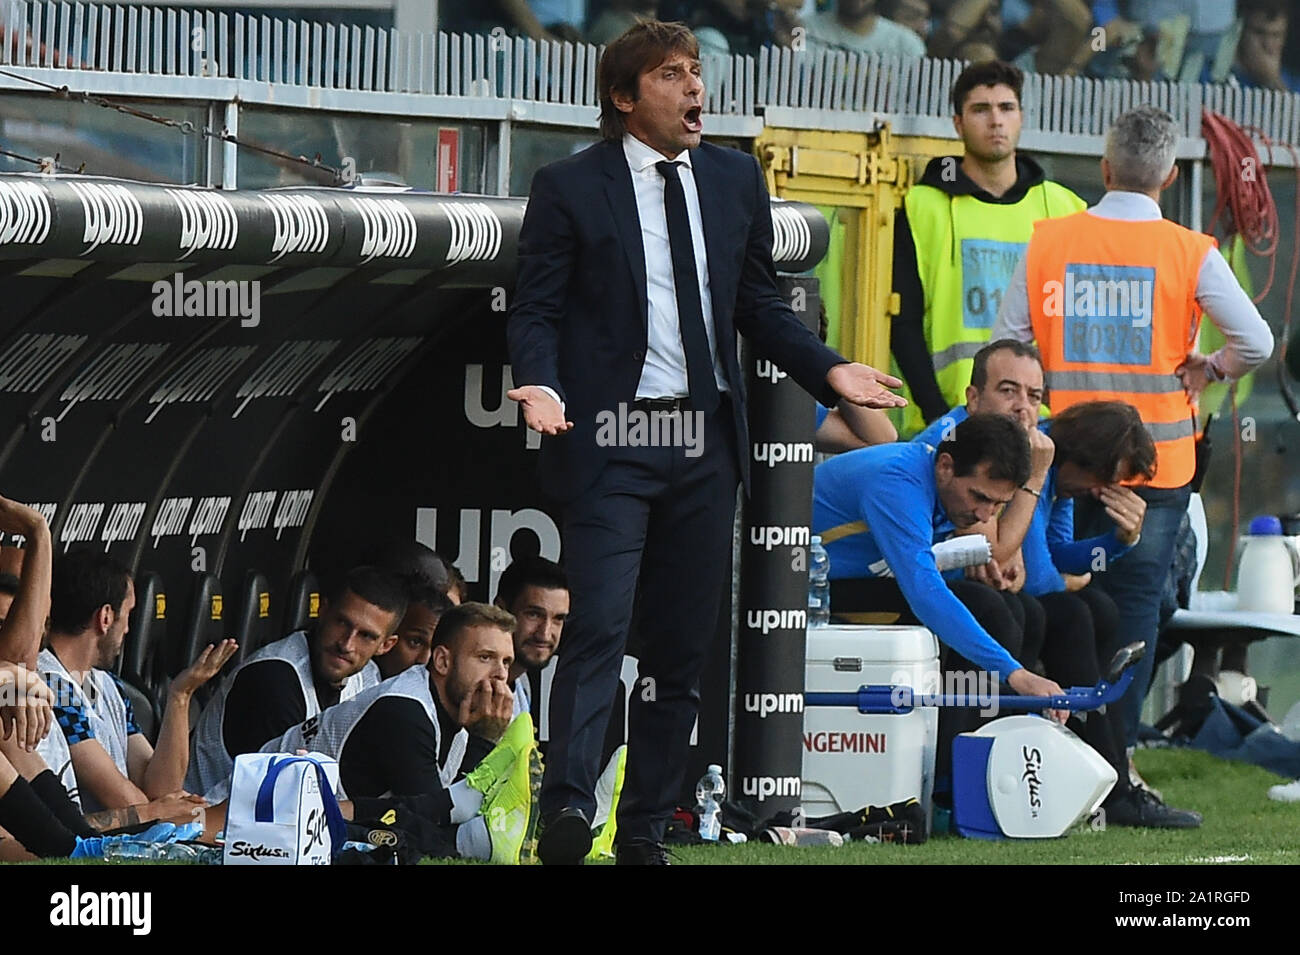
(578, 320)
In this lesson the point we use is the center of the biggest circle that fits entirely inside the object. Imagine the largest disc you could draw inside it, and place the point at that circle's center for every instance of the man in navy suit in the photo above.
(640, 259)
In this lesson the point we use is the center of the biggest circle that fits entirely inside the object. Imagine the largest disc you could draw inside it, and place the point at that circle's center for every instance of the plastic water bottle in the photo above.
(708, 802)
(149, 851)
(1266, 577)
(819, 584)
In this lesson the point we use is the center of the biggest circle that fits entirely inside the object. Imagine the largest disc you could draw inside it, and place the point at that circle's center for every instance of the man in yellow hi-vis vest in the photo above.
(958, 237)
(1113, 296)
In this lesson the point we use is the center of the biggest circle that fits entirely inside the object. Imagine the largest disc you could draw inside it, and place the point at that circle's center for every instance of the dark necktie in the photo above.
(690, 314)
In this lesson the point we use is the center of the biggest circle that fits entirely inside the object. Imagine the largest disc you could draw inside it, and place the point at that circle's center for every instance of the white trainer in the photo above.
(1285, 792)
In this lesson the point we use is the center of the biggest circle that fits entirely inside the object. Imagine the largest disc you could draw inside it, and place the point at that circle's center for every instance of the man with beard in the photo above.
(115, 765)
(438, 735)
(536, 592)
(296, 678)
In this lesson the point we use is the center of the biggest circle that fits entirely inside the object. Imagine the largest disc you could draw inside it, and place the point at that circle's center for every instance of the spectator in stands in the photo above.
(414, 644)
(552, 20)
(958, 237)
(966, 29)
(1259, 52)
(880, 510)
(913, 14)
(618, 17)
(91, 599)
(857, 27)
(536, 592)
(296, 678)
(1053, 38)
(439, 734)
(734, 27)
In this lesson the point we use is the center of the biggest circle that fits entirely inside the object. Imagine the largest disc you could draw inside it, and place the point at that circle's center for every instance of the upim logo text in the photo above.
(764, 703)
(768, 536)
(764, 786)
(766, 621)
(773, 454)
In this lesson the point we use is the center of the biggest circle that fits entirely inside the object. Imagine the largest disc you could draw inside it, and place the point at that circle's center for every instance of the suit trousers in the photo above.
(661, 519)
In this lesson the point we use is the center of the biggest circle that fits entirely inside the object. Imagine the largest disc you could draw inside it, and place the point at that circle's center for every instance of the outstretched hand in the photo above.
(208, 665)
(863, 385)
(542, 413)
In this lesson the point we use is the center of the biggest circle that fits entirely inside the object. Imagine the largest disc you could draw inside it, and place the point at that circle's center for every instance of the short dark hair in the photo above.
(988, 73)
(979, 373)
(459, 619)
(82, 582)
(9, 584)
(410, 559)
(426, 595)
(375, 585)
(1099, 436)
(458, 583)
(529, 572)
(993, 438)
(1269, 9)
(642, 46)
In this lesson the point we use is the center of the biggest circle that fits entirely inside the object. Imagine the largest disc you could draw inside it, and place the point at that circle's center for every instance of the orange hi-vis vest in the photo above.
(1113, 308)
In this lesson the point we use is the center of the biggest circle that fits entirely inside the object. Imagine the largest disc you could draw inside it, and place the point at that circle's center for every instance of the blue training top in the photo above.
(1049, 547)
(880, 509)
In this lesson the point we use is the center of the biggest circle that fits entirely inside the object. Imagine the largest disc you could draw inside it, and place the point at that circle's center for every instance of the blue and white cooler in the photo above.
(1025, 777)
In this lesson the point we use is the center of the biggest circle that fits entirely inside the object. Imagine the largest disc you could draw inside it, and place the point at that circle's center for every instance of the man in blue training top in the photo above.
(1033, 538)
(880, 510)
(1093, 446)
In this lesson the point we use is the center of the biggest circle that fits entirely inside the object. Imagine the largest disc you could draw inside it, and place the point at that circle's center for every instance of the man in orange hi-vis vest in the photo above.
(1114, 296)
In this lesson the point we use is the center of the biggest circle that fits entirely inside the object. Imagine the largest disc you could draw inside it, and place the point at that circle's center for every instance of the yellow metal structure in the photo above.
(859, 176)
(862, 178)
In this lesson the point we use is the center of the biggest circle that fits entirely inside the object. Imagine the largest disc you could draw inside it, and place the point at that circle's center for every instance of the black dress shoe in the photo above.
(565, 838)
(1139, 808)
(640, 852)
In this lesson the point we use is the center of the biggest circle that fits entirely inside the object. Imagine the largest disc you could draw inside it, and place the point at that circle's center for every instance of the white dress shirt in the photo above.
(664, 372)
(1220, 295)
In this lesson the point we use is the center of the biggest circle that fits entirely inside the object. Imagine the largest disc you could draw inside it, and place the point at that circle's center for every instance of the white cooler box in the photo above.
(851, 759)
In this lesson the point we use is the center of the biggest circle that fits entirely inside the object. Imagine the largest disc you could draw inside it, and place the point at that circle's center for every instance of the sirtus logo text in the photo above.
(257, 851)
(1033, 768)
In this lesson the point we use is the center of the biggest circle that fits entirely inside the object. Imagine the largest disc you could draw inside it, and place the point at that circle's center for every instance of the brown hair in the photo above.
(1099, 436)
(988, 73)
(642, 47)
(458, 619)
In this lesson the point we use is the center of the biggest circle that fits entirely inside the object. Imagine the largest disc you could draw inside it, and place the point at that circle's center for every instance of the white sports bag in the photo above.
(283, 811)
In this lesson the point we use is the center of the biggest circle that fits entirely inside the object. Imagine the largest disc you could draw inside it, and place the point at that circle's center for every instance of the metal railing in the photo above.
(171, 43)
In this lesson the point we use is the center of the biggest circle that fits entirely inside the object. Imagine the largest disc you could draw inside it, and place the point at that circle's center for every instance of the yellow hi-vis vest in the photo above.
(966, 252)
